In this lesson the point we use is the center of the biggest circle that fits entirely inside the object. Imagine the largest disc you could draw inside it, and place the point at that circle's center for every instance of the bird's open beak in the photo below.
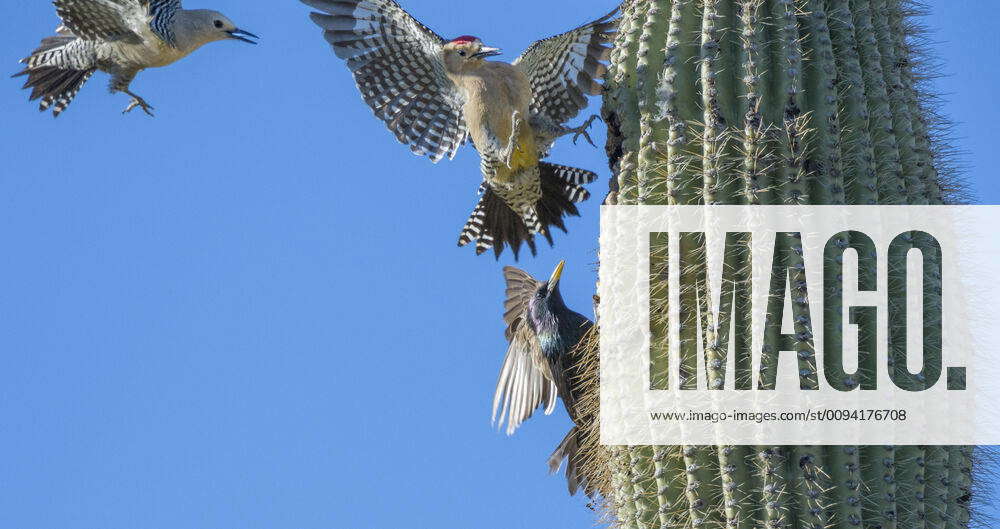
(235, 34)
(487, 51)
(556, 274)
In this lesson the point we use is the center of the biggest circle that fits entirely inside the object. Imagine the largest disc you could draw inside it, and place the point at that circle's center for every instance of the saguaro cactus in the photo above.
(775, 102)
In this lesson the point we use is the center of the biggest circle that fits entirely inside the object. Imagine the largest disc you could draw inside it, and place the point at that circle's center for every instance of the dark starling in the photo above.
(542, 333)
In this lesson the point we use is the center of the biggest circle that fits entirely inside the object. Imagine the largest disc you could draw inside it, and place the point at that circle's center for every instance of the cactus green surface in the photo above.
(773, 102)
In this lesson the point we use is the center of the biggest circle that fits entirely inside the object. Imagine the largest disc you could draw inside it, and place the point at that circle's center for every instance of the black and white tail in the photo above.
(493, 224)
(53, 76)
(569, 450)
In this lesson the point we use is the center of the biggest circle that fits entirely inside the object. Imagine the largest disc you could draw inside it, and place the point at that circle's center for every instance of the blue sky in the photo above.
(250, 311)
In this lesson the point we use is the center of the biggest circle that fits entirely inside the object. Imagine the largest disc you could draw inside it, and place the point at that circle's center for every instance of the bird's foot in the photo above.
(141, 103)
(515, 131)
(582, 130)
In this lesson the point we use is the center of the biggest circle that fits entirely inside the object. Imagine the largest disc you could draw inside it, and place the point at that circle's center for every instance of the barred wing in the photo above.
(397, 65)
(99, 19)
(114, 20)
(564, 69)
(525, 380)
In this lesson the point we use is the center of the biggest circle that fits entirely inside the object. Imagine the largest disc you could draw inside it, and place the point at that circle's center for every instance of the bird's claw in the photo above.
(582, 131)
(586, 136)
(139, 102)
(515, 131)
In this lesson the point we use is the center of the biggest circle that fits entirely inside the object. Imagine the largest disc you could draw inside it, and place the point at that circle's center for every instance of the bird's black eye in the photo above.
(219, 24)
(462, 53)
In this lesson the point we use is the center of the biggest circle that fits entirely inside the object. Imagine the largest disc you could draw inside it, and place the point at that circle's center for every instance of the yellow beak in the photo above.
(556, 274)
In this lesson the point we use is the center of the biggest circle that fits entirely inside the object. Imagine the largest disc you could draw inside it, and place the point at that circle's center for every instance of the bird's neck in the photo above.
(559, 331)
(188, 35)
(550, 334)
(484, 80)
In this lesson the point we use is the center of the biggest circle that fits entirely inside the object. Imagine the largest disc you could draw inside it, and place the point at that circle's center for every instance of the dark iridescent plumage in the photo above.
(542, 333)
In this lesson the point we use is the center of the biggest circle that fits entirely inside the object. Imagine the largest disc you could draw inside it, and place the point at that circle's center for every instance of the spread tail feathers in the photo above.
(55, 87)
(568, 449)
(493, 224)
(49, 78)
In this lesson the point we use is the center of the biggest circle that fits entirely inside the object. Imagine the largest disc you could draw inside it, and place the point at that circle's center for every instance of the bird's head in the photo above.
(206, 26)
(466, 53)
(547, 303)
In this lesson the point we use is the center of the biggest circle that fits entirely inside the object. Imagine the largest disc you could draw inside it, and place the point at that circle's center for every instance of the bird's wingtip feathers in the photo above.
(318, 18)
(322, 5)
(611, 15)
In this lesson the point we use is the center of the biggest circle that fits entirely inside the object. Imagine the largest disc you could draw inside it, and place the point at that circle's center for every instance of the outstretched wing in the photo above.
(116, 20)
(98, 19)
(397, 64)
(525, 380)
(520, 289)
(564, 69)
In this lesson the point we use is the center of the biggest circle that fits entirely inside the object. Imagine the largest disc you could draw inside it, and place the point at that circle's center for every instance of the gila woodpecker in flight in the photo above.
(435, 94)
(541, 362)
(121, 38)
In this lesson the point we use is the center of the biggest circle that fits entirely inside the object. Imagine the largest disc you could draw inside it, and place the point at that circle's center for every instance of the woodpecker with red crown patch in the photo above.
(435, 94)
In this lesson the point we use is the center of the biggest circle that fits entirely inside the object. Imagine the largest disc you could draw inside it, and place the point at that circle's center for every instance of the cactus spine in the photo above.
(773, 102)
